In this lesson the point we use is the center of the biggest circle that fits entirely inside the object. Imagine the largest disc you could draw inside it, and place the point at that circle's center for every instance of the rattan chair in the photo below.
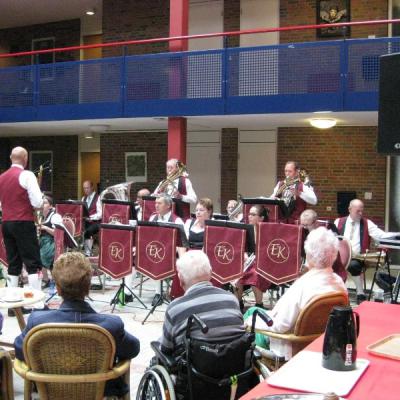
(6, 375)
(310, 323)
(69, 361)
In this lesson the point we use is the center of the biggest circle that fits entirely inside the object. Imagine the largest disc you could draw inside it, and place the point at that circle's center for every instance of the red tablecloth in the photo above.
(380, 380)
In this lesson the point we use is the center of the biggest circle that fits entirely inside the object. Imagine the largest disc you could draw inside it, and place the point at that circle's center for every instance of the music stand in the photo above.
(275, 207)
(226, 248)
(76, 210)
(120, 211)
(220, 217)
(180, 241)
(116, 257)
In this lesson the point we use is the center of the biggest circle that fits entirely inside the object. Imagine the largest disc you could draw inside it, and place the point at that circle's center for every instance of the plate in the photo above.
(388, 347)
(9, 299)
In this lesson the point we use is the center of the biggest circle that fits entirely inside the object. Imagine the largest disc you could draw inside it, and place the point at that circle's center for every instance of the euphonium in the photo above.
(167, 186)
(232, 215)
(120, 191)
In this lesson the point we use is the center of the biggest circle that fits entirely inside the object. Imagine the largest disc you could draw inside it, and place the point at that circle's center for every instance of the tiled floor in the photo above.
(132, 315)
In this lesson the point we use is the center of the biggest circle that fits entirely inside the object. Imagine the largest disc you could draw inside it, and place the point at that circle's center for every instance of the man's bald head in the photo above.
(19, 156)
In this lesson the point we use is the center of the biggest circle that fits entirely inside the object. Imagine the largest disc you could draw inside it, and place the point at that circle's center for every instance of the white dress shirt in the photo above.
(373, 231)
(28, 181)
(307, 194)
(99, 212)
(165, 218)
(189, 197)
(286, 311)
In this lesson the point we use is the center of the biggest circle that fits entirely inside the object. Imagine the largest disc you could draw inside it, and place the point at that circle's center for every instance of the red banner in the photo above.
(3, 253)
(156, 251)
(58, 242)
(116, 246)
(116, 213)
(73, 211)
(278, 254)
(225, 248)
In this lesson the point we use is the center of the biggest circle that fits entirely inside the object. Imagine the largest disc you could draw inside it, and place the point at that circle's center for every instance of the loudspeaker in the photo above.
(389, 105)
(343, 200)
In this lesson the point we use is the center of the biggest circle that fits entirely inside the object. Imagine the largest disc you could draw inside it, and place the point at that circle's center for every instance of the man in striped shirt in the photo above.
(218, 308)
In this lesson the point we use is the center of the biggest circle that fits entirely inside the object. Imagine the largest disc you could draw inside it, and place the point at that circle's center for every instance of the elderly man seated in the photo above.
(218, 308)
(72, 274)
(321, 249)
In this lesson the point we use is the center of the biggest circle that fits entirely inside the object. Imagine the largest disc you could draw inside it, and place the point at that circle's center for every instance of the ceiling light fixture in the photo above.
(90, 11)
(89, 135)
(323, 123)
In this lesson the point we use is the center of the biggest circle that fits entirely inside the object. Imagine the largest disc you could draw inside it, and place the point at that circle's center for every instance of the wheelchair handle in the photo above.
(264, 316)
(198, 320)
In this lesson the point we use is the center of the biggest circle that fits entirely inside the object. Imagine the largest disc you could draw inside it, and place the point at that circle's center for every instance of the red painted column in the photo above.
(178, 26)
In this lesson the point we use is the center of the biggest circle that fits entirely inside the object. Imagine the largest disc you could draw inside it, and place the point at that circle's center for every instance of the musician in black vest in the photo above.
(359, 231)
(92, 222)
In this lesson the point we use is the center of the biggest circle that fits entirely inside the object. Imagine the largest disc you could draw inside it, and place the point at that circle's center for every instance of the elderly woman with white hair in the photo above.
(321, 249)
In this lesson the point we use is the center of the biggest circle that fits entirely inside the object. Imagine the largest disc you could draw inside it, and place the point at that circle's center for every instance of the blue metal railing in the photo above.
(300, 77)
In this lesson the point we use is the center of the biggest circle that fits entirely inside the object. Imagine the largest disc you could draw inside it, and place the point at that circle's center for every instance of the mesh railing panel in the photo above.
(80, 82)
(174, 76)
(16, 87)
(363, 63)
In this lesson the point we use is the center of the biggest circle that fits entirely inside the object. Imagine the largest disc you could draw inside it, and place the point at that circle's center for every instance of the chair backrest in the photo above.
(343, 258)
(69, 225)
(6, 375)
(69, 349)
(314, 316)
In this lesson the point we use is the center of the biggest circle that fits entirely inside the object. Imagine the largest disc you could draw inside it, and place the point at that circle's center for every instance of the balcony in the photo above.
(300, 77)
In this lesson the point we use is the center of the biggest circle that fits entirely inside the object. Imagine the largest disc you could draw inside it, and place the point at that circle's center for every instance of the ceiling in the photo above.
(207, 123)
(15, 13)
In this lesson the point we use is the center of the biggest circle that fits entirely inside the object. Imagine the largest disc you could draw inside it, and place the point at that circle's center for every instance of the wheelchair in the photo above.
(204, 370)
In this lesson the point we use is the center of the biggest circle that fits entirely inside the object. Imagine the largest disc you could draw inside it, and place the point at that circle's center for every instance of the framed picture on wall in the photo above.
(332, 12)
(136, 166)
(45, 159)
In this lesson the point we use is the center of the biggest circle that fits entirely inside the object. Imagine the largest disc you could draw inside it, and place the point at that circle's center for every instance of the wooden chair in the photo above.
(6, 375)
(310, 323)
(69, 361)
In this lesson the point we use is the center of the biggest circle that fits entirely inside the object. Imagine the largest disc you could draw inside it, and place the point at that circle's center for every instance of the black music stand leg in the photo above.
(162, 301)
(120, 290)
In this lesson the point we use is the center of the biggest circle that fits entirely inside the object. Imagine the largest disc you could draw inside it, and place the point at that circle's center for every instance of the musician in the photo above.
(163, 214)
(92, 222)
(359, 231)
(230, 209)
(20, 196)
(259, 285)
(194, 228)
(178, 186)
(47, 246)
(295, 193)
(139, 202)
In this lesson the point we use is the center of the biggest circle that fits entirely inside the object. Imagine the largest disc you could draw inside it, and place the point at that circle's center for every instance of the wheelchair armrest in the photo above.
(165, 359)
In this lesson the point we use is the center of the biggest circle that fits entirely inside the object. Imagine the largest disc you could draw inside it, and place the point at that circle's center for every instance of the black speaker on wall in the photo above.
(343, 200)
(389, 105)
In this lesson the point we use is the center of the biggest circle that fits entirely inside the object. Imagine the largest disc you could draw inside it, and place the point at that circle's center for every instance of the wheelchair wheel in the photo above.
(156, 384)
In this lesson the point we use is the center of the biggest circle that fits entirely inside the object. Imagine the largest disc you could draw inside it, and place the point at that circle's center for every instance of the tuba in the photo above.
(168, 186)
(120, 191)
(232, 215)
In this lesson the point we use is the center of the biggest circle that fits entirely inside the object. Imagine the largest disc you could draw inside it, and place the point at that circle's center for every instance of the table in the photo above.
(38, 295)
(380, 380)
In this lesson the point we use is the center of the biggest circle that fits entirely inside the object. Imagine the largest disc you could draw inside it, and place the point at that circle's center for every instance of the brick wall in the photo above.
(232, 21)
(338, 159)
(112, 157)
(303, 12)
(66, 33)
(65, 160)
(229, 165)
(135, 19)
